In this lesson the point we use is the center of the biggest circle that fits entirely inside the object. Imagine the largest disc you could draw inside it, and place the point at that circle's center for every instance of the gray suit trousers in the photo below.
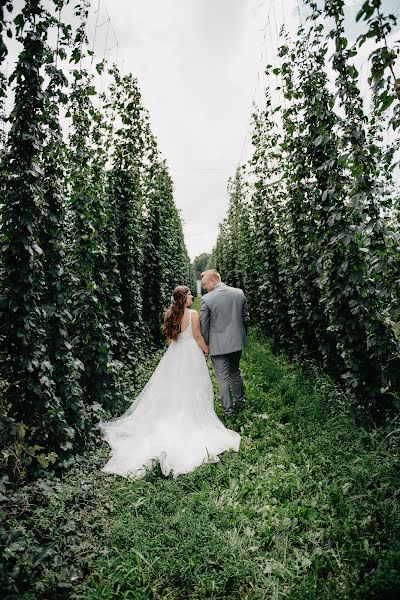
(227, 369)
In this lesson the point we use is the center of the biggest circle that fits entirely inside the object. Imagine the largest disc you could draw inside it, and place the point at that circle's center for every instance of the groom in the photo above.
(224, 320)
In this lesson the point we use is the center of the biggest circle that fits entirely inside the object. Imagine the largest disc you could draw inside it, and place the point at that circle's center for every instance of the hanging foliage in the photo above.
(371, 349)
(53, 225)
(6, 7)
(80, 215)
(35, 414)
(383, 79)
(126, 195)
(87, 200)
(267, 283)
(322, 245)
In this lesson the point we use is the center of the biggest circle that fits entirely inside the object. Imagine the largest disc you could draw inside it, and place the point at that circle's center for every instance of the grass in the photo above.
(196, 303)
(308, 509)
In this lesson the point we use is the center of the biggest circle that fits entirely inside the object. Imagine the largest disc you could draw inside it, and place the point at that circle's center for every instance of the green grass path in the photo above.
(308, 509)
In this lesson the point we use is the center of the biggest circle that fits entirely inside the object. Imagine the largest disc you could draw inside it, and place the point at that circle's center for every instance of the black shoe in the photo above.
(229, 413)
(239, 406)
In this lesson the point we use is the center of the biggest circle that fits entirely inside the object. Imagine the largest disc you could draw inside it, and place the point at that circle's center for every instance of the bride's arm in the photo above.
(197, 332)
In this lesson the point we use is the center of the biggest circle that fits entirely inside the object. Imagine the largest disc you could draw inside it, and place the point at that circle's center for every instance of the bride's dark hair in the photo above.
(173, 316)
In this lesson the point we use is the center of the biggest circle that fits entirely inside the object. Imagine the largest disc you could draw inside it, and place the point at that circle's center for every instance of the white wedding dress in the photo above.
(172, 420)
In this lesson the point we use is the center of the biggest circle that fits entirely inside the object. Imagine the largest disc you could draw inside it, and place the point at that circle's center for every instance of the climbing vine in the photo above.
(322, 243)
(91, 241)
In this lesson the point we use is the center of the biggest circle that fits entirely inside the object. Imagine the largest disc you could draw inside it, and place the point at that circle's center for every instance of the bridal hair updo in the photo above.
(173, 316)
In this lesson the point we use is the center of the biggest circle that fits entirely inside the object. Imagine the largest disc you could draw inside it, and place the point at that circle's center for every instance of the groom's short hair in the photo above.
(211, 274)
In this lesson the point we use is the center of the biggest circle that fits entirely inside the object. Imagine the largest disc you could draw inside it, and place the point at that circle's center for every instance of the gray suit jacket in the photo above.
(224, 319)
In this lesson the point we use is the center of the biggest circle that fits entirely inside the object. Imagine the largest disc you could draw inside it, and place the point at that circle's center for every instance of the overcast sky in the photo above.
(199, 64)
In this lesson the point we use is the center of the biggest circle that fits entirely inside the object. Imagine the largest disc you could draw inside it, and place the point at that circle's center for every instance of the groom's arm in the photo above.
(245, 314)
(205, 321)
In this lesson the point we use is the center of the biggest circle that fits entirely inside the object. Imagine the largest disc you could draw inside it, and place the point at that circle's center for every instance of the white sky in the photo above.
(199, 69)
(199, 65)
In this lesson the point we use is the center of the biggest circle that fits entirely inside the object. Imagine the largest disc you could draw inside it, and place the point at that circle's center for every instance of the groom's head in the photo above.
(209, 279)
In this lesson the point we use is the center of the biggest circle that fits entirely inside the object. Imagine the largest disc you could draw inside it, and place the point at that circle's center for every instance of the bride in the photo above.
(172, 420)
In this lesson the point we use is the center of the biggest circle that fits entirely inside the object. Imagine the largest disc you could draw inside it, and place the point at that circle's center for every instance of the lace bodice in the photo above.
(188, 333)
